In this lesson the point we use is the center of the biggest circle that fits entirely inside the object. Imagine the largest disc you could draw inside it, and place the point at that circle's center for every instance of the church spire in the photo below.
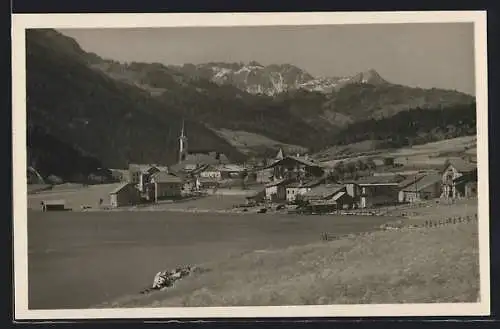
(182, 144)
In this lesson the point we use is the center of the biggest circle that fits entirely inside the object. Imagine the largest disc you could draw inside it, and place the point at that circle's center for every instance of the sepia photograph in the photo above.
(220, 165)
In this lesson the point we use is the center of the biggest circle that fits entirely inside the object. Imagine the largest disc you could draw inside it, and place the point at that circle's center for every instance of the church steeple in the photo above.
(182, 144)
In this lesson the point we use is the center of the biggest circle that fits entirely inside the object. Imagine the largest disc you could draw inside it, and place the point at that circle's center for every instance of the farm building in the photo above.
(375, 190)
(126, 194)
(328, 197)
(455, 168)
(53, 205)
(141, 173)
(167, 185)
(296, 167)
(424, 187)
(298, 188)
(276, 191)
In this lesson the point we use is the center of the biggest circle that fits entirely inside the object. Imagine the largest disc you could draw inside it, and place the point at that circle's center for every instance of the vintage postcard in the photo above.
(250, 165)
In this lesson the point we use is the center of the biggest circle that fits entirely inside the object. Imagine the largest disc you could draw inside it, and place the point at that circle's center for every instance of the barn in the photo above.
(126, 194)
(424, 187)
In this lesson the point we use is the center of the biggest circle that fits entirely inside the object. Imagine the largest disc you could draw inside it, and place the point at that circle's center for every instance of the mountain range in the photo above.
(131, 112)
(273, 79)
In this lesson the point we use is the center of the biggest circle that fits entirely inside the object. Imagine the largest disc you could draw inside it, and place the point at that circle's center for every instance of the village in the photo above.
(295, 183)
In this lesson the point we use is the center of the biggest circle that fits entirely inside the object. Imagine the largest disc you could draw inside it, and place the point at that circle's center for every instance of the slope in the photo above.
(113, 121)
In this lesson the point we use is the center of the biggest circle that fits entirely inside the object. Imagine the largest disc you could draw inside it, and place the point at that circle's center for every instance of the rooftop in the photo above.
(461, 164)
(164, 177)
(288, 159)
(120, 187)
(423, 182)
(323, 191)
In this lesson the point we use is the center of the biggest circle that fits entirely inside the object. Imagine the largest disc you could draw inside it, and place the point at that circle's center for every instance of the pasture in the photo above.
(80, 259)
(438, 265)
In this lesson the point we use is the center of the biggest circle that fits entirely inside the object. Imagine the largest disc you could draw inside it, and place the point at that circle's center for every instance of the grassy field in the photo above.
(248, 142)
(419, 266)
(434, 153)
(433, 211)
(79, 259)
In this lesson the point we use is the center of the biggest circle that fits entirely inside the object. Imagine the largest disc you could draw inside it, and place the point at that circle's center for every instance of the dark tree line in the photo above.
(416, 126)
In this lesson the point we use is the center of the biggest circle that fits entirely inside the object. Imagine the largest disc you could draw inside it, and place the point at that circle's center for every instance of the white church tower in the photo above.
(183, 146)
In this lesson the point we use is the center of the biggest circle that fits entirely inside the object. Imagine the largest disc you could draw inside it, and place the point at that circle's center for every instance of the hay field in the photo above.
(417, 266)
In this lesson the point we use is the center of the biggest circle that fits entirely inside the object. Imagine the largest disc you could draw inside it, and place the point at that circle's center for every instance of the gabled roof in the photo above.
(323, 191)
(460, 164)
(411, 179)
(423, 183)
(120, 187)
(164, 177)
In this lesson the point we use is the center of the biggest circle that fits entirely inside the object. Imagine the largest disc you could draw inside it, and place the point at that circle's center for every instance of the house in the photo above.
(296, 167)
(423, 187)
(140, 174)
(53, 205)
(276, 191)
(455, 168)
(297, 189)
(125, 194)
(371, 191)
(168, 185)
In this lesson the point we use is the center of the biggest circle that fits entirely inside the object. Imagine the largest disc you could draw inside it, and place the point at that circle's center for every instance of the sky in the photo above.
(426, 55)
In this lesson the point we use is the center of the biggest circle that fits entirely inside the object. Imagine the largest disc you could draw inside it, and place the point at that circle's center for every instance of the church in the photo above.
(189, 160)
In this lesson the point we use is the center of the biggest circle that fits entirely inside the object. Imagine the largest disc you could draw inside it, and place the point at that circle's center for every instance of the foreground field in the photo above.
(78, 259)
(418, 266)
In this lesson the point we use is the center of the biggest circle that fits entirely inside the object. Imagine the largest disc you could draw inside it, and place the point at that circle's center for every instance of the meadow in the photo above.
(80, 259)
(437, 265)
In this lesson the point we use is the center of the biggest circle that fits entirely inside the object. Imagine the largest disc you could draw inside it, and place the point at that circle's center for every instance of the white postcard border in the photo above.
(21, 22)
